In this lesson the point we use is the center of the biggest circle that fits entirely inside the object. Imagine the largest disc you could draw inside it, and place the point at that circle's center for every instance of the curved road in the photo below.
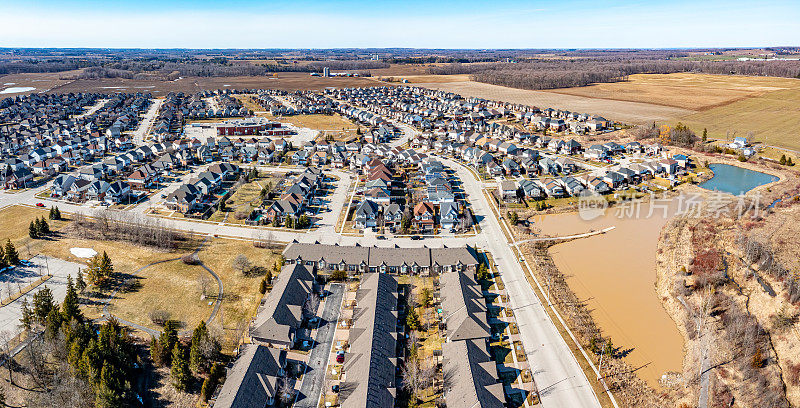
(215, 309)
(555, 369)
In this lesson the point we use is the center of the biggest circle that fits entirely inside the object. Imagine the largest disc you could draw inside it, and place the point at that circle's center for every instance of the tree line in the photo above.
(566, 73)
(171, 70)
(118, 226)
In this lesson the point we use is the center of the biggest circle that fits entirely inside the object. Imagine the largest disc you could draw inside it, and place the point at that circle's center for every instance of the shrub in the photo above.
(190, 259)
(159, 317)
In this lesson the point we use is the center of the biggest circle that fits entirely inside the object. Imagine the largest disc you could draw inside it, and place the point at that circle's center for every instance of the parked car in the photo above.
(416, 238)
(340, 357)
(335, 388)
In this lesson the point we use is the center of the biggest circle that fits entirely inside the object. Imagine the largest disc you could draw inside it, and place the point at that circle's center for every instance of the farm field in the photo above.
(684, 90)
(40, 81)
(625, 111)
(765, 106)
(774, 118)
(289, 81)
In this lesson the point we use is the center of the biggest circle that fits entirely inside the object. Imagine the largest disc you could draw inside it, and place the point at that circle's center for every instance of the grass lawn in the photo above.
(14, 223)
(172, 287)
(244, 199)
(241, 292)
(126, 258)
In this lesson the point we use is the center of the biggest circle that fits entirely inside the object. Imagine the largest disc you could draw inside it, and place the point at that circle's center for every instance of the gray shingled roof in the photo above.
(374, 256)
(252, 379)
(370, 364)
(470, 375)
(332, 254)
(463, 307)
(398, 256)
(283, 309)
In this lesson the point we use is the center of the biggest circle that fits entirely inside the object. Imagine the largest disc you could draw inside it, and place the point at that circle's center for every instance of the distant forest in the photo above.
(526, 69)
(566, 73)
(166, 70)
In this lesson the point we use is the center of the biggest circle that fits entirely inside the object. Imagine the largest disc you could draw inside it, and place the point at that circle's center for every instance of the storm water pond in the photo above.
(735, 180)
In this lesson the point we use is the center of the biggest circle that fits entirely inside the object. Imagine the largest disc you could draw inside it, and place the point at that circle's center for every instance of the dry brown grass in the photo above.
(684, 90)
(625, 111)
(242, 297)
(773, 117)
(41, 81)
(289, 81)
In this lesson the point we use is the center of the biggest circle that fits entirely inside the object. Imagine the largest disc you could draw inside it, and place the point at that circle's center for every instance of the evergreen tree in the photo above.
(58, 214)
(44, 227)
(206, 390)
(156, 352)
(100, 269)
(412, 320)
(483, 272)
(789, 161)
(11, 254)
(107, 266)
(53, 324)
(80, 284)
(783, 160)
(200, 342)
(262, 287)
(109, 391)
(268, 277)
(28, 317)
(52, 214)
(33, 232)
(69, 308)
(42, 304)
(168, 340)
(705, 134)
(94, 273)
(3, 260)
(74, 356)
(180, 369)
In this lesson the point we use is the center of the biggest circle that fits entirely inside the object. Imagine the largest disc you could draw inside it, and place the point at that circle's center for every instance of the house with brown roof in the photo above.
(425, 216)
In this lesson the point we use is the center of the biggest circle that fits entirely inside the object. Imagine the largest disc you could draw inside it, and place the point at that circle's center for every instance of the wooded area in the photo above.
(567, 73)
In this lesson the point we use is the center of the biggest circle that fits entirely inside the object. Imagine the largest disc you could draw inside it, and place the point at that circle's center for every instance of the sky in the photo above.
(387, 24)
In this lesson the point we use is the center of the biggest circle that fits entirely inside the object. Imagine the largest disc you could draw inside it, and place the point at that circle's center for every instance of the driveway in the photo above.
(314, 379)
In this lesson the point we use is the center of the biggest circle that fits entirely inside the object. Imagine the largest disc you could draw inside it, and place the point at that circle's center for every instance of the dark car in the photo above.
(335, 388)
(380, 237)
(416, 238)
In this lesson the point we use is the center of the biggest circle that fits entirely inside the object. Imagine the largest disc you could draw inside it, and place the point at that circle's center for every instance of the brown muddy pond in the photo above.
(615, 273)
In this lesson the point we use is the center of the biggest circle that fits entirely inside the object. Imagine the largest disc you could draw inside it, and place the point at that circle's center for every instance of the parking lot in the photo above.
(18, 278)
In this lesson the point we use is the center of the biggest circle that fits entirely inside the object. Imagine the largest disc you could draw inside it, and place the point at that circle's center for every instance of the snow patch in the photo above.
(83, 252)
(17, 89)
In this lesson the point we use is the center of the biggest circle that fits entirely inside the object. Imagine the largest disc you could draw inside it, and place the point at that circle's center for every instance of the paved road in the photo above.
(559, 377)
(92, 109)
(556, 371)
(147, 122)
(314, 379)
(215, 309)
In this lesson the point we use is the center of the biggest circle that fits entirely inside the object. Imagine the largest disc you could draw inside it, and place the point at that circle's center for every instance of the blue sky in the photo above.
(412, 23)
